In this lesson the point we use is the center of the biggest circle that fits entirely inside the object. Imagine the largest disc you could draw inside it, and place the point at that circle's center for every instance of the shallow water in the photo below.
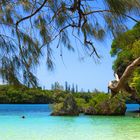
(38, 125)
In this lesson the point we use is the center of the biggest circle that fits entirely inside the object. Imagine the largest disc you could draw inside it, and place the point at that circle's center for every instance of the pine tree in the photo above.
(76, 88)
(69, 88)
(73, 88)
(52, 87)
(66, 86)
(88, 91)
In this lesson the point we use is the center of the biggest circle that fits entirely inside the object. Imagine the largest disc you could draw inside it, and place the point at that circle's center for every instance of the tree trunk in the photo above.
(123, 80)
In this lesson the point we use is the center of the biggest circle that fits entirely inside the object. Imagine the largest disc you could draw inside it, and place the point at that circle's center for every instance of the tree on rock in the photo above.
(127, 65)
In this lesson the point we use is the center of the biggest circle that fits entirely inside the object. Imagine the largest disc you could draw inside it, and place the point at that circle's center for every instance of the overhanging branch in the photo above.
(127, 73)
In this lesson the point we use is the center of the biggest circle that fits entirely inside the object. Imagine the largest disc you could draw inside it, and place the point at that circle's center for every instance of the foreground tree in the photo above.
(29, 27)
(127, 64)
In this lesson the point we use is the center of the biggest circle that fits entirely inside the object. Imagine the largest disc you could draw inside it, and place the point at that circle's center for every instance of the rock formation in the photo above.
(67, 108)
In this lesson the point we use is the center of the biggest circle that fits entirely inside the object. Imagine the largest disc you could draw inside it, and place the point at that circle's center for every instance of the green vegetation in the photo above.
(127, 48)
(98, 104)
(135, 81)
(64, 103)
(23, 94)
(68, 107)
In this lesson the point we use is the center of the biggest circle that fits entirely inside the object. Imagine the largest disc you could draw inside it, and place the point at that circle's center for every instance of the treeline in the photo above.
(25, 95)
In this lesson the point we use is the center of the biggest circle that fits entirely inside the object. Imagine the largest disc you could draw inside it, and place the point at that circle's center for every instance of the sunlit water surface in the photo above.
(38, 125)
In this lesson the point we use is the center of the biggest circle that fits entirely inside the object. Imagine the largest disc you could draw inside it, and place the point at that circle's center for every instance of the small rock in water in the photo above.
(23, 117)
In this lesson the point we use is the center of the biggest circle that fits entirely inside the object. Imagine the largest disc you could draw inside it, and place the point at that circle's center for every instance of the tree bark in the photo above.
(123, 80)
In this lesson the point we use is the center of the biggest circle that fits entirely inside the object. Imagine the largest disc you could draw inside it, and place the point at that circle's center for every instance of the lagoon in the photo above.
(38, 125)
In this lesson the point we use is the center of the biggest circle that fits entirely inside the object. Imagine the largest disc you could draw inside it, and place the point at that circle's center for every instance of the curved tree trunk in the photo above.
(122, 82)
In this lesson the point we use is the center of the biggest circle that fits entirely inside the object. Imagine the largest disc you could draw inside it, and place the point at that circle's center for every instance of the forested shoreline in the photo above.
(23, 95)
(10, 94)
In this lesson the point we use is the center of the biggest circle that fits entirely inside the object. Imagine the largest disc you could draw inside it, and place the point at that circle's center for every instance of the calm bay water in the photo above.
(38, 125)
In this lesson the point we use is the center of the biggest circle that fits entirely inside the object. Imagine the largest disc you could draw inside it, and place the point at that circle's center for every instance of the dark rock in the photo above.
(81, 110)
(90, 111)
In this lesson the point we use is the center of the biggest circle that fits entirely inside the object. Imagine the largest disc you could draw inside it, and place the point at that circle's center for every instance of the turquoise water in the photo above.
(38, 125)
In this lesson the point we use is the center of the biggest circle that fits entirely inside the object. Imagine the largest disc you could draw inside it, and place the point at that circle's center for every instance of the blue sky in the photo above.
(78, 68)
(87, 73)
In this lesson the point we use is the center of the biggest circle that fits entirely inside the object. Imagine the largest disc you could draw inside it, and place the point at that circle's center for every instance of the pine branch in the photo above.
(109, 11)
(34, 13)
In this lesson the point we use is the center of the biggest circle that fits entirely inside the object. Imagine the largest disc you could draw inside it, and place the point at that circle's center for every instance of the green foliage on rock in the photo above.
(82, 104)
(99, 104)
(135, 81)
(103, 104)
(67, 108)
